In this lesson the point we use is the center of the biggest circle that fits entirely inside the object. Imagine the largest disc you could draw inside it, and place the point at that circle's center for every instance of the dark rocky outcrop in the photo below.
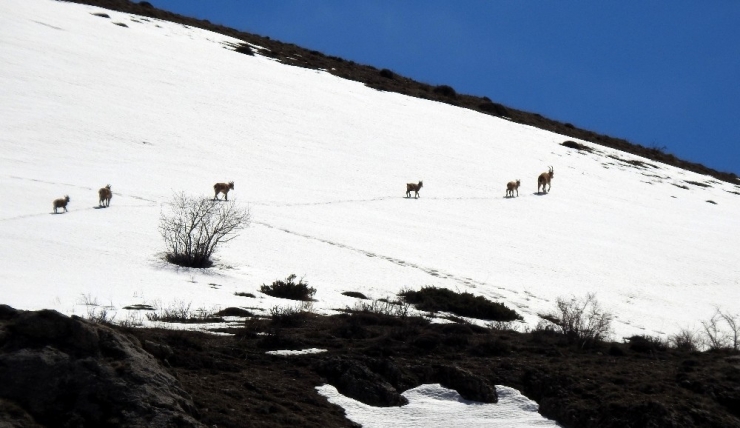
(61, 371)
(355, 380)
(377, 382)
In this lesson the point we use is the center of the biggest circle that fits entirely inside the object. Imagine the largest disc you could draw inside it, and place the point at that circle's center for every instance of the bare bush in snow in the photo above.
(686, 340)
(722, 331)
(193, 228)
(582, 320)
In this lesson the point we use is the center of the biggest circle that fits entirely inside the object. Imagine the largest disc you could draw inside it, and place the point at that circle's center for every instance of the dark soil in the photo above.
(234, 383)
(387, 80)
(373, 358)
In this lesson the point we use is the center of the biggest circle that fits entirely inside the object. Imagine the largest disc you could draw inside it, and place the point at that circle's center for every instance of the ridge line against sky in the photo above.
(659, 74)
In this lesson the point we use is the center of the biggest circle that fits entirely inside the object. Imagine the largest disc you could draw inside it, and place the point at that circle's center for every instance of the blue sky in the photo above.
(657, 73)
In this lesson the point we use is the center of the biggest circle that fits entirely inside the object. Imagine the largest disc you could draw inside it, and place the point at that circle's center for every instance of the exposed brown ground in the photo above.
(235, 384)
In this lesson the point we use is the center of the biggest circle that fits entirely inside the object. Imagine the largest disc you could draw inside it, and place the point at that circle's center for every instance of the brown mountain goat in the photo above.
(223, 188)
(105, 194)
(413, 187)
(511, 186)
(544, 179)
(61, 203)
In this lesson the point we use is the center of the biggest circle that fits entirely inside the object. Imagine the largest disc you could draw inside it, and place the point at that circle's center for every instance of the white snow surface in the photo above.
(432, 406)
(289, 352)
(322, 163)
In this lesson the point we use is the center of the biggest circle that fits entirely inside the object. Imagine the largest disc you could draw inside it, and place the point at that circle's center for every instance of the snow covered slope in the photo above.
(154, 107)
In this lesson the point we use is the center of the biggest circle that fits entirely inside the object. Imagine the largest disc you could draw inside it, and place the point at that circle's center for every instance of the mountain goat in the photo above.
(511, 187)
(105, 194)
(223, 188)
(413, 187)
(544, 179)
(61, 203)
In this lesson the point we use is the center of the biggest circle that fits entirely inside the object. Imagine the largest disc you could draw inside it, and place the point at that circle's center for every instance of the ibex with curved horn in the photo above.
(544, 179)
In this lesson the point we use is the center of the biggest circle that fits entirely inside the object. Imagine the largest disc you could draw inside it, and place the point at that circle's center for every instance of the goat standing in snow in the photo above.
(511, 187)
(105, 194)
(544, 179)
(413, 187)
(61, 203)
(223, 188)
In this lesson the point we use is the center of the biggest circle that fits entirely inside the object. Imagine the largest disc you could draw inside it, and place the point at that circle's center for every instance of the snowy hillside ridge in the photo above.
(387, 80)
(154, 107)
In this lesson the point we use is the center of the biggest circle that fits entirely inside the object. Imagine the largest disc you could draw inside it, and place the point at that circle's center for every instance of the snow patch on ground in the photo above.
(296, 352)
(432, 406)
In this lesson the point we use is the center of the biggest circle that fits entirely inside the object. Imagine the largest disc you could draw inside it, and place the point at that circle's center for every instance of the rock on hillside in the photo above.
(62, 371)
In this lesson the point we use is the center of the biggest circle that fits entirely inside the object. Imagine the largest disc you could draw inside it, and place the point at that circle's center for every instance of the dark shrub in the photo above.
(491, 348)
(350, 327)
(121, 24)
(427, 341)
(435, 299)
(277, 341)
(445, 90)
(233, 312)
(146, 4)
(244, 49)
(456, 340)
(387, 74)
(374, 318)
(685, 340)
(288, 289)
(102, 15)
(242, 294)
(696, 183)
(355, 294)
(616, 351)
(455, 328)
(569, 125)
(288, 317)
(577, 146)
(494, 108)
(646, 344)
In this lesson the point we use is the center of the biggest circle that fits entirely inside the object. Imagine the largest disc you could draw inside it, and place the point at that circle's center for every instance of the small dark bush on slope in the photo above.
(494, 108)
(445, 90)
(583, 320)
(288, 289)
(462, 304)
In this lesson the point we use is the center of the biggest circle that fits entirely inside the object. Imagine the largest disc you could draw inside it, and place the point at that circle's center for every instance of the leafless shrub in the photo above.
(291, 316)
(503, 326)
(582, 320)
(193, 228)
(722, 331)
(180, 312)
(686, 340)
(95, 312)
(396, 308)
(132, 320)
